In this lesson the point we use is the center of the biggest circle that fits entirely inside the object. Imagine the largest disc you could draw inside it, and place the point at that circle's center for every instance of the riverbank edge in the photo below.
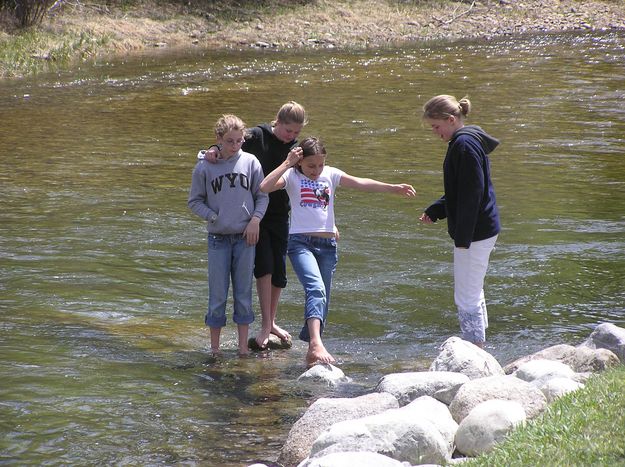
(80, 32)
(577, 429)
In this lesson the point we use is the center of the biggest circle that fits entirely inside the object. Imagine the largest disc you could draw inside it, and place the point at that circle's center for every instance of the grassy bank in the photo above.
(81, 31)
(584, 428)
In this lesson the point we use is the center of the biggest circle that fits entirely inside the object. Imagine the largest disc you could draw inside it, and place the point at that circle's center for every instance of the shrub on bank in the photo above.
(29, 12)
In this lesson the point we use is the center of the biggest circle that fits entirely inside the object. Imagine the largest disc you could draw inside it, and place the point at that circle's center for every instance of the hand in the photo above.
(337, 234)
(294, 156)
(212, 154)
(406, 190)
(426, 219)
(252, 230)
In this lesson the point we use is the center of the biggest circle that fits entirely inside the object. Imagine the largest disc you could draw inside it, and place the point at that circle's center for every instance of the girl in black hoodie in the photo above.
(469, 205)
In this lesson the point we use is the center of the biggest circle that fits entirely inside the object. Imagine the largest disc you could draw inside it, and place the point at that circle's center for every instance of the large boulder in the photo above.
(558, 387)
(460, 356)
(540, 371)
(608, 336)
(420, 432)
(322, 414)
(488, 424)
(509, 388)
(407, 387)
(581, 359)
(353, 459)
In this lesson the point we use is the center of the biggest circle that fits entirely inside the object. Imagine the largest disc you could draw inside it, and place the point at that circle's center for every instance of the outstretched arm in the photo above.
(274, 180)
(369, 184)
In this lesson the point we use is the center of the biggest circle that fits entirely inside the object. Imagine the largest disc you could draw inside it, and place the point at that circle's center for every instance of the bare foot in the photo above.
(244, 353)
(281, 333)
(317, 353)
(262, 338)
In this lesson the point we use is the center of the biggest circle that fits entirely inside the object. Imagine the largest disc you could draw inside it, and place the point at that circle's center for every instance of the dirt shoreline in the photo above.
(282, 25)
(359, 23)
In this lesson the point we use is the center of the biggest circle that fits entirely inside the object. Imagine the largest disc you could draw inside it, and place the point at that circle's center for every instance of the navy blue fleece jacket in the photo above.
(469, 202)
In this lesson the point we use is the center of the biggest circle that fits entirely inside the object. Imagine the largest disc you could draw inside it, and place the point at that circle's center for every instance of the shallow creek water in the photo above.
(103, 267)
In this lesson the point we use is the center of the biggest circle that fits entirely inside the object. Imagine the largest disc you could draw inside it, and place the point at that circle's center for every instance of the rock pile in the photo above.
(463, 406)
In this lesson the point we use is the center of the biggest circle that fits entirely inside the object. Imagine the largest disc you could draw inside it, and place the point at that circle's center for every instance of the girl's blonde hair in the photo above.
(291, 112)
(444, 106)
(228, 122)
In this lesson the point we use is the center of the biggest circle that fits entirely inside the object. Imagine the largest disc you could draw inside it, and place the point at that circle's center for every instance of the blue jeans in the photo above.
(314, 261)
(229, 256)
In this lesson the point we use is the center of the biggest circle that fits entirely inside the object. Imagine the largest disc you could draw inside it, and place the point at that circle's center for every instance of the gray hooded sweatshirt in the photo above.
(227, 193)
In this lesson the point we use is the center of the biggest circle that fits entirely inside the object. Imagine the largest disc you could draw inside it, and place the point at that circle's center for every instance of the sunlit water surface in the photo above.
(103, 268)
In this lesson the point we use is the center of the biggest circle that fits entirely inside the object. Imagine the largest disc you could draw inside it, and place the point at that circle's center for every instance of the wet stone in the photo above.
(275, 343)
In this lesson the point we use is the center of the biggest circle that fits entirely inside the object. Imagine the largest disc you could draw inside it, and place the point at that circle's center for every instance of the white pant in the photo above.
(470, 265)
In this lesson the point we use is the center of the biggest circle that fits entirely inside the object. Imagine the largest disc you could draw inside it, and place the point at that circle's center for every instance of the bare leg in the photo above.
(317, 352)
(215, 334)
(275, 329)
(263, 290)
(268, 297)
(243, 331)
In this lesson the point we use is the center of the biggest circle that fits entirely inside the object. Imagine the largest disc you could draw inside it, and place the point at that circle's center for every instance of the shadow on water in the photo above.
(103, 268)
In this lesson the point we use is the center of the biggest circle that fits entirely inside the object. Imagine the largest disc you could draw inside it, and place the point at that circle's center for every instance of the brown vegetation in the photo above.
(329, 23)
(131, 25)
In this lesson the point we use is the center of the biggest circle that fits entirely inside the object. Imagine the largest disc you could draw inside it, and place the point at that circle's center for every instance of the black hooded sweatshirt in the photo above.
(469, 201)
(271, 152)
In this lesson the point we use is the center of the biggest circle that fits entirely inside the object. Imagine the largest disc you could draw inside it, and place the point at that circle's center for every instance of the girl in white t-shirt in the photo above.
(311, 185)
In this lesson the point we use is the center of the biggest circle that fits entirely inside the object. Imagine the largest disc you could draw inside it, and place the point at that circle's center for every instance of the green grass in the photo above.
(584, 428)
(33, 51)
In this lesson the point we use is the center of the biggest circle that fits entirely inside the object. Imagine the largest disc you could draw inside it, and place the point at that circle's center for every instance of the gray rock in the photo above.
(406, 434)
(608, 336)
(274, 343)
(558, 387)
(447, 395)
(541, 371)
(488, 424)
(510, 388)
(322, 414)
(460, 356)
(581, 359)
(324, 373)
(406, 387)
(438, 413)
(353, 459)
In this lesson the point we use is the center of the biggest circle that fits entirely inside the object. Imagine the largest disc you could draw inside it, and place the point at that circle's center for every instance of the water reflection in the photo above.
(103, 268)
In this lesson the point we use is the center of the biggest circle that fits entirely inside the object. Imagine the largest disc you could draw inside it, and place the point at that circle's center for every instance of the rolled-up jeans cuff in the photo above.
(473, 324)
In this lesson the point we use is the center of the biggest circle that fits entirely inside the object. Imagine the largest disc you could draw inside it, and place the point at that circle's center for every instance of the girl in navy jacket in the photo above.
(469, 205)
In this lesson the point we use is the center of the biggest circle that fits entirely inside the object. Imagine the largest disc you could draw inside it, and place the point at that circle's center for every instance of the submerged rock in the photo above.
(324, 373)
(274, 343)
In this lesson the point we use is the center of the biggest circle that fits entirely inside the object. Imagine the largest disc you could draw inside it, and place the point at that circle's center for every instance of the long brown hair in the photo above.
(312, 146)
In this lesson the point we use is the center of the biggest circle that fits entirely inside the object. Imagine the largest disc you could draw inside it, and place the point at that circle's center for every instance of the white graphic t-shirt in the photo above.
(312, 201)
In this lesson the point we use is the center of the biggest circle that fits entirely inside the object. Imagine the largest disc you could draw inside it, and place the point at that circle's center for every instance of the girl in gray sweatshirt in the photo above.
(227, 195)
